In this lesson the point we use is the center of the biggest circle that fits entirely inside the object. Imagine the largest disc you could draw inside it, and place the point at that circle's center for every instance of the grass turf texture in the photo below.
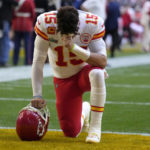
(56, 141)
(129, 85)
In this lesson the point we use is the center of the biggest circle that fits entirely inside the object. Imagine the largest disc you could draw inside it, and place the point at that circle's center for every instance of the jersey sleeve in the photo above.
(97, 44)
(99, 30)
(40, 27)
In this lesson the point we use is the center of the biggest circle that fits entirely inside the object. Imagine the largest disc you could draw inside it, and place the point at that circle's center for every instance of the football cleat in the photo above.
(87, 109)
(93, 138)
(32, 123)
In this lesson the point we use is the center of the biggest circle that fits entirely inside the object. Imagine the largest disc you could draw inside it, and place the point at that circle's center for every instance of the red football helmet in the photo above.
(32, 123)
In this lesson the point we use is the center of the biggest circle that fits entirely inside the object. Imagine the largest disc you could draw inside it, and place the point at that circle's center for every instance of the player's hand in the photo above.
(68, 44)
(38, 103)
(68, 40)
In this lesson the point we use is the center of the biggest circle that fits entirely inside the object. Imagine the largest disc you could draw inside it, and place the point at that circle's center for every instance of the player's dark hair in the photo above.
(67, 20)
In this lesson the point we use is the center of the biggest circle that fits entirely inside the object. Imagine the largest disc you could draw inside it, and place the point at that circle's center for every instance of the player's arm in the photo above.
(98, 56)
(97, 46)
(40, 55)
(95, 57)
(97, 60)
(92, 58)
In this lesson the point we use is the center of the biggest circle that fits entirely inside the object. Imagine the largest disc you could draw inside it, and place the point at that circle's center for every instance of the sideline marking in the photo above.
(10, 86)
(128, 86)
(107, 132)
(54, 101)
(128, 103)
(21, 99)
(25, 72)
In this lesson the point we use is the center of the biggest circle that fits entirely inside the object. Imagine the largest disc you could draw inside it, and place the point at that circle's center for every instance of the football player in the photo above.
(77, 53)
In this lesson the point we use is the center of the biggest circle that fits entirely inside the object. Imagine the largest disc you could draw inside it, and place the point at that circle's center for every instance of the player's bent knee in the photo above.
(96, 74)
(70, 129)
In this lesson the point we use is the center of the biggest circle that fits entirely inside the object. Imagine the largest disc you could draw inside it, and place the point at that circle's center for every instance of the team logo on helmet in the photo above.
(40, 129)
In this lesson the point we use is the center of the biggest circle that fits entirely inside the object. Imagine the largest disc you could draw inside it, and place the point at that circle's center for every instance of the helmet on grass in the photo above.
(32, 123)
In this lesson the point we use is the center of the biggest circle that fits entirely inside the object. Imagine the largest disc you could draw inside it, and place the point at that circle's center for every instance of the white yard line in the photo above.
(129, 61)
(54, 101)
(24, 72)
(127, 133)
(14, 99)
(127, 103)
(12, 86)
(106, 132)
(129, 86)
(21, 99)
(6, 88)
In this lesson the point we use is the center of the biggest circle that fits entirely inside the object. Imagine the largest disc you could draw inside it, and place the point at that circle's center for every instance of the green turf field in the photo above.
(127, 108)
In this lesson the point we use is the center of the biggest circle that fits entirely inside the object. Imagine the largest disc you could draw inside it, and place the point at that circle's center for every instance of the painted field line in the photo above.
(6, 88)
(54, 101)
(131, 74)
(11, 86)
(21, 72)
(106, 132)
(21, 99)
(25, 72)
(128, 61)
(129, 86)
(128, 103)
(127, 133)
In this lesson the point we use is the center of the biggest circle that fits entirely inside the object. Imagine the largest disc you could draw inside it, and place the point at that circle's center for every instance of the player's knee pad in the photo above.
(96, 77)
(70, 129)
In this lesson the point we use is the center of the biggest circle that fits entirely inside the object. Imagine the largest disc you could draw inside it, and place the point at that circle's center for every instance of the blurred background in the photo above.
(127, 25)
